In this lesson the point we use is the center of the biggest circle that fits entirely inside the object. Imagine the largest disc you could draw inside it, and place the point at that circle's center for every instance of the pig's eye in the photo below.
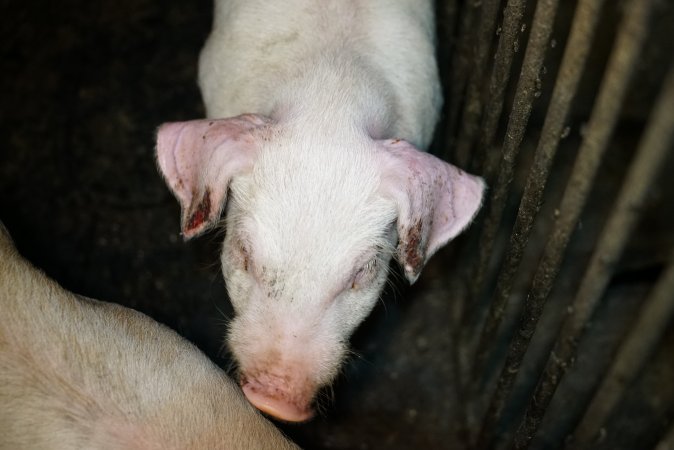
(364, 274)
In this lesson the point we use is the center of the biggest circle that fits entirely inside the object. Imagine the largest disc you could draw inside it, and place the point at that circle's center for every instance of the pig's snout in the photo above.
(282, 361)
(279, 396)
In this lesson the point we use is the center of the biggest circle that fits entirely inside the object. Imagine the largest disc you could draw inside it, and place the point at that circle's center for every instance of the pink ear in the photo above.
(436, 201)
(198, 158)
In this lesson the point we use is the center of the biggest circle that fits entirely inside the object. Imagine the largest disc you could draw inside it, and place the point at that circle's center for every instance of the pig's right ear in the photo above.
(198, 159)
(435, 200)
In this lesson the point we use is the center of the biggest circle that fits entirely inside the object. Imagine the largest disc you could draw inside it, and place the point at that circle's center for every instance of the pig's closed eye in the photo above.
(244, 256)
(364, 274)
(246, 262)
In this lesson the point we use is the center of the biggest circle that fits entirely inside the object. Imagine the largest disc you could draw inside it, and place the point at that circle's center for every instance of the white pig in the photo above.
(77, 373)
(319, 112)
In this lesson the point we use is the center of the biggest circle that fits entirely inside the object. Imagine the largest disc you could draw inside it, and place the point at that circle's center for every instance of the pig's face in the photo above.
(305, 256)
(311, 227)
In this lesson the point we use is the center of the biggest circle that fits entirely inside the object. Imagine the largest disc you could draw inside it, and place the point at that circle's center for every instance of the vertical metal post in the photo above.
(472, 108)
(653, 149)
(498, 81)
(459, 71)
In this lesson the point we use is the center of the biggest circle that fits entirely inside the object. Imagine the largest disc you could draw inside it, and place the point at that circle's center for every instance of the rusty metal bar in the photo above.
(604, 117)
(651, 154)
(632, 356)
(459, 71)
(542, 25)
(472, 108)
(498, 81)
(571, 68)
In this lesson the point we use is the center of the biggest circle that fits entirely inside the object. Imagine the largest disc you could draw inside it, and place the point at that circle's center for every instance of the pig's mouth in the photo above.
(275, 396)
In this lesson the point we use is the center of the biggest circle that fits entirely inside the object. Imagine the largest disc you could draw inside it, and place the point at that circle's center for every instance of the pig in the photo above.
(78, 373)
(318, 118)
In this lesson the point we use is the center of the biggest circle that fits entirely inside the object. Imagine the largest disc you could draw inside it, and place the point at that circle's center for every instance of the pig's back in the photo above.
(258, 47)
(78, 373)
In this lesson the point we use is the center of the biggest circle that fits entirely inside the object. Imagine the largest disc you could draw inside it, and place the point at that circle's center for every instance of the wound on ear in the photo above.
(201, 213)
(410, 243)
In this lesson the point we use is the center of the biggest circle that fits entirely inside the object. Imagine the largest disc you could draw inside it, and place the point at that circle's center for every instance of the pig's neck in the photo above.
(336, 95)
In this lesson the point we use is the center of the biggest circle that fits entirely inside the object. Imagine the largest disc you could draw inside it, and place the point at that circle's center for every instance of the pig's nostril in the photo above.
(276, 403)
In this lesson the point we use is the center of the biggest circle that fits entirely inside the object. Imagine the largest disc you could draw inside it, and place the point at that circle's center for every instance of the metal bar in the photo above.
(667, 441)
(652, 151)
(620, 68)
(631, 358)
(573, 62)
(459, 71)
(472, 108)
(542, 24)
(498, 82)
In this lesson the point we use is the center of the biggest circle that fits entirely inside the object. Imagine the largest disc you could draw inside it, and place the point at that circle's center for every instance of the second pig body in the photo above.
(77, 373)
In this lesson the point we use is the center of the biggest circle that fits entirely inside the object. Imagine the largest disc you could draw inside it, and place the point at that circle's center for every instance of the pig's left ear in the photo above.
(435, 201)
(198, 159)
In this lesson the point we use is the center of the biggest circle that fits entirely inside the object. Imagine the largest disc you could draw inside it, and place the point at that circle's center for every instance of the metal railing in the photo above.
(493, 95)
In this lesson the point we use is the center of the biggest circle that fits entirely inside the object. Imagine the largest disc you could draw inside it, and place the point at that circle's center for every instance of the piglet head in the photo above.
(312, 224)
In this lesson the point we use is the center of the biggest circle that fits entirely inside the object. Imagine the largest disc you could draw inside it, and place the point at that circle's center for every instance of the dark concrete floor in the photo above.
(84, 86)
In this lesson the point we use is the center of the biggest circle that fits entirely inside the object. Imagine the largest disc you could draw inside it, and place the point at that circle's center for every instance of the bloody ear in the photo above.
(436, 201)
(198, 159)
